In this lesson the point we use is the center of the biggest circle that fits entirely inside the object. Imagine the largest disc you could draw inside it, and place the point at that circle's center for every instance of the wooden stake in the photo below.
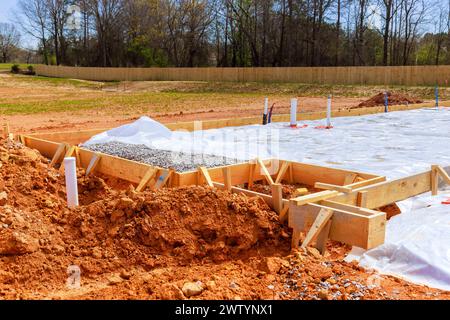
(444, 175)
(321, 242)
(277, 197)
(265, 172)
(319, 224)
(162, 179)
(434, 180)
(6, 130)
(251, 174)
(203, 173)
(284, 167)
(362, 199)
(227, 178)
(69, 153)
(350, 178)
(295, 238)
(291, 173)
(151, 172)
(58, 154)
(93, 163)
(284, 213)
(77, 157)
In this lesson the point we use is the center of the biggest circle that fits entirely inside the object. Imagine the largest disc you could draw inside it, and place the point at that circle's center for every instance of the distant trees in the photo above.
(9, 40)
(232, 33)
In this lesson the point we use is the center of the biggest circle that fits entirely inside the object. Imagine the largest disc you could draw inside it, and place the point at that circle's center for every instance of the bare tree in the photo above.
(9, 40)
(33, 16)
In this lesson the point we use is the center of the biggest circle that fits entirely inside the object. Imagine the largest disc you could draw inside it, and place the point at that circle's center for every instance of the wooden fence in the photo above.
(410, 75)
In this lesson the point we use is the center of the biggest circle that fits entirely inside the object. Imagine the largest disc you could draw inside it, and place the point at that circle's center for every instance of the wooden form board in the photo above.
(353, 228)
(385, 193)
(353, 221)
(109, 165)
(134, 171)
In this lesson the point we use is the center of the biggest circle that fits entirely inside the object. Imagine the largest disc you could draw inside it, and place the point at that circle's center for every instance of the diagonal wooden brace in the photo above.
(319, 224)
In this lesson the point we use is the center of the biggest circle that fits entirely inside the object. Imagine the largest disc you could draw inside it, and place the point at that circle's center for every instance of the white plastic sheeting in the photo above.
(393, 144)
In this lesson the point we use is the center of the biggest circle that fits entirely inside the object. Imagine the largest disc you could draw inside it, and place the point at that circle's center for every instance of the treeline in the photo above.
(238, 33)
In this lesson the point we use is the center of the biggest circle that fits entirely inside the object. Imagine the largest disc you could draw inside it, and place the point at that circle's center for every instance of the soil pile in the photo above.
(189, 242)
(393, 99)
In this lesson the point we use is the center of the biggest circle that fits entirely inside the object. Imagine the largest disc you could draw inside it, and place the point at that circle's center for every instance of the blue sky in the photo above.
(5, 9)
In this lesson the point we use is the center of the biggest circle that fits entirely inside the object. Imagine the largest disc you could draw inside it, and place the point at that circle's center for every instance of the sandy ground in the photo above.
(125, 102)
(94, 119)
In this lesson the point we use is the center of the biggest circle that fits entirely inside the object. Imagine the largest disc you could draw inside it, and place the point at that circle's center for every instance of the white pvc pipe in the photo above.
(329, 112)
(70, 168)
(293, 112)
(266, 106)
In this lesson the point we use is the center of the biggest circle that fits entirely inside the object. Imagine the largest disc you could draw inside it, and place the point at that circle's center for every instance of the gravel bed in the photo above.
(179, 161)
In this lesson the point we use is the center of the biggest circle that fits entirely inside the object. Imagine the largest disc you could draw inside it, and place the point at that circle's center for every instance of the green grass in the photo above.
(167, 97)
(114, 103)
(60, 81)
(7, 66)
(301, 89)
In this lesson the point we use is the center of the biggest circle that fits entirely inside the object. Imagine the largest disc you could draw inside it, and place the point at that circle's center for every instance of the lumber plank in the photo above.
(6, 131)
(291, 174)
(21, 139)
(69, 153)
(59, 152)
(315, 197)
(326, 186)
(310, 174)
(349, 208)
(251, 174)
(93, 163)
(434, 176)
(162, 179)
(239, 175)
(362, 199)
(113, 166)
(151, 172)
(227, 178)
(368, 182)
(351, 228)
(319, 223)
(77, 157)
(284, 213)
(444, 175)
(321, 242)
(350, 178)
(295, 238)
(284, 168)
(265, 172)
(277, 197)
(204, 173)
(385, 193)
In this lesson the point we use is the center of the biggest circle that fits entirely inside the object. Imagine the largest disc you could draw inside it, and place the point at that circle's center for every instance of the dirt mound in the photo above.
(186, 222)
(393, 98)
(189, 242)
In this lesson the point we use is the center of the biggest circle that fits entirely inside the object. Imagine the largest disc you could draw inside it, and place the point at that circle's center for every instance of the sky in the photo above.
(5, 9)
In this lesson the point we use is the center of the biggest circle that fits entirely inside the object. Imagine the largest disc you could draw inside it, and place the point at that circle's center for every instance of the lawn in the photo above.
(20, 94)
(7, 66)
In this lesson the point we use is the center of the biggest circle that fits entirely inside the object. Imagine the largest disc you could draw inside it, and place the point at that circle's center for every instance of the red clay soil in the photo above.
(393, 99)
(188, 242)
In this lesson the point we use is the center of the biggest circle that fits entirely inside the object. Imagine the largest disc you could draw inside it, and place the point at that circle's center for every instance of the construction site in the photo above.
(284, 193)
